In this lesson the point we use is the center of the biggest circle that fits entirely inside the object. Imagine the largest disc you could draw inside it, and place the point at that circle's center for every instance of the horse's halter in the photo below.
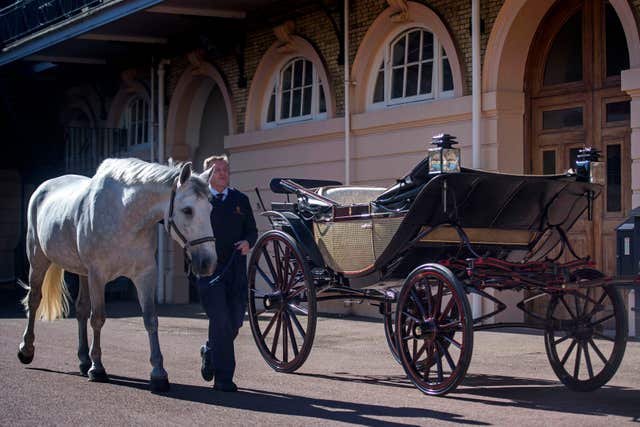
(170, 224)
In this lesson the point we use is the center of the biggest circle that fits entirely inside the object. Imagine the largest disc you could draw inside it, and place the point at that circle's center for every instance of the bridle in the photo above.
(171, 225)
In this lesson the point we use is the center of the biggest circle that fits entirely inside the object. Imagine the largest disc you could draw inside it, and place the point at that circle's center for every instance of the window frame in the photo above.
(385, 58)
(133, 127)
(276, 89)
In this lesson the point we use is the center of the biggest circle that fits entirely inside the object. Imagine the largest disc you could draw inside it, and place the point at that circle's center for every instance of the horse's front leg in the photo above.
(96, 286)
(83, 310)
(145, 283)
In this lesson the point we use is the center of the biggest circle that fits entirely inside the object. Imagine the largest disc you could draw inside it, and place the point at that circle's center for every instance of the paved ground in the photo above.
(350, 378)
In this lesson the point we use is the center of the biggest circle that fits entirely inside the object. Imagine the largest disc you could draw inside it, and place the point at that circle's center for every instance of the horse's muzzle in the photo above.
(203, 263)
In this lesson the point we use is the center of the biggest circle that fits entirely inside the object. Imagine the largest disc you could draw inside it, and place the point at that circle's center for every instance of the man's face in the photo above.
(219, 175)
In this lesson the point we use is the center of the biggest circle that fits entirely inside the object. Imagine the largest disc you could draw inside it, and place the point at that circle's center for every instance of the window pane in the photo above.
(447, 76)
(308, 72)
(426, 78)
(564, 63)
(322, 108)
(566, 118)
(286, 103)
(413, 54)
(397, 83)
(297, 103)
(427, 45)
(398, 52)
(271, 112)
(614, 179)
(306, 102)
(412, 80)
(378, 92)
(617, 50)
(297, 73)
(286, 78)
(618, 111)
(549, 162)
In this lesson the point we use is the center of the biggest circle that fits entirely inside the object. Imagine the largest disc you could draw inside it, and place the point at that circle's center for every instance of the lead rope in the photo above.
(225, 269)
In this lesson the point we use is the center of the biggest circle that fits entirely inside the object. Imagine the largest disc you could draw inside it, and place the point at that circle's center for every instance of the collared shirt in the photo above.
(215, 193)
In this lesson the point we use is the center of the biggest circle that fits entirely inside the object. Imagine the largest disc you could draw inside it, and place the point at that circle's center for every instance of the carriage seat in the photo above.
(350, 195)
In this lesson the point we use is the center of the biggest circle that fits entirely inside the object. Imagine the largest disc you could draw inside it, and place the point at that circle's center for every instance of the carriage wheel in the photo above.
(434, 329)
(282, 302)
(389, 329)
(586, 334)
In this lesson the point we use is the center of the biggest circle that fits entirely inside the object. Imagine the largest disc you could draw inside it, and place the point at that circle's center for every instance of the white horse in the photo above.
(105, 227)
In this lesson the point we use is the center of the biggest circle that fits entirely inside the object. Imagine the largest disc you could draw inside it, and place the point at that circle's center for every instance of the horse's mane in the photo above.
(135, 171)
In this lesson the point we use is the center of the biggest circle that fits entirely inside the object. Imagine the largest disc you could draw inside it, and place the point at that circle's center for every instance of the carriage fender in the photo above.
(301, 234)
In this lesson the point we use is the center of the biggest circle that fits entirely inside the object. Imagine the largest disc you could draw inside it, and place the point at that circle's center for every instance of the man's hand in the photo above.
(242, 246)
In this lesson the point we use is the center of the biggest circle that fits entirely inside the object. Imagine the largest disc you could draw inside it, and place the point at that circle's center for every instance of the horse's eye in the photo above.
(187, 211)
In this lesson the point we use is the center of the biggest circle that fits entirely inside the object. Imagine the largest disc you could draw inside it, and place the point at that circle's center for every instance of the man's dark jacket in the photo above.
(232, 220)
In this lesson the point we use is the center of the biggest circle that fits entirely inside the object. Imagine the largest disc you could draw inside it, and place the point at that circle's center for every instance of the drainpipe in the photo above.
(347, 110)
(161, 233)
(476, 300)
(152, 154)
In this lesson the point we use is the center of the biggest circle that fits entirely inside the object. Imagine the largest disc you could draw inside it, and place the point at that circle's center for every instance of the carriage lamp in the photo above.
(444, 157)
(589, 168)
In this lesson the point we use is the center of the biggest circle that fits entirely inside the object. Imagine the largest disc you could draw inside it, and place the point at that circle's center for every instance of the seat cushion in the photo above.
(348, 195)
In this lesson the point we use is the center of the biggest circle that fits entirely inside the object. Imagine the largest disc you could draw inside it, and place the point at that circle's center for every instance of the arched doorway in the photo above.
(573, 99)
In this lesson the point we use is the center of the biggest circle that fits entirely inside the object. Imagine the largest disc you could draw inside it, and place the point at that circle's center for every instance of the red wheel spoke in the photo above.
(292, 277)
(576, 368)
(604, 337)
(567, 307)
(568, 353)
(274, 345)
(429, 299)
(452, 341)
(294, 344)
(271, 322)
(285, 339)
(597, 350)
(266, 278)
(415, 349)
(439, 365)
(451, 325)
(597, 305)
(299, 309)
(285, 269)
(297, 324)
(604, 319)
(418, 303)
(447, 309)
(587, 359)
(559, 340)
(276, 251)
(438, 302)
(423, 348)
(274, 276)
(445, 351)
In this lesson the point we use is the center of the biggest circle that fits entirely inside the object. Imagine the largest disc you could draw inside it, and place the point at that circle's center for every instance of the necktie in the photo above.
(219, 196)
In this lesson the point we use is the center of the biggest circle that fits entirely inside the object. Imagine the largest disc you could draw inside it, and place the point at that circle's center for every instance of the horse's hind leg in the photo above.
(145, 286)
(96, 295)
(38, 268)
(83, 309)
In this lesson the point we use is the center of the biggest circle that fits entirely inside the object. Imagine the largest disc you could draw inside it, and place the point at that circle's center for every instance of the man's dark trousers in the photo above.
(225, 302)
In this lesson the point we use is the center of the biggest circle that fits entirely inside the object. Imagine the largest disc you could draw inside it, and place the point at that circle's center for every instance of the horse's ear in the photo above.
(206, 175)
(185, 173)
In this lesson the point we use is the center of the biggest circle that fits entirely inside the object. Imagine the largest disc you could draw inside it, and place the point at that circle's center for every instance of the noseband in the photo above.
(186, 244)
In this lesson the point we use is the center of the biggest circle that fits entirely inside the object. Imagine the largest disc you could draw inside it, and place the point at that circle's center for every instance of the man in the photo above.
(224, 295)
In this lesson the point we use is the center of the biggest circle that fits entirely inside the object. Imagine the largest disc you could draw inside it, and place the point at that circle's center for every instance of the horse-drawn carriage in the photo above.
(419, 248)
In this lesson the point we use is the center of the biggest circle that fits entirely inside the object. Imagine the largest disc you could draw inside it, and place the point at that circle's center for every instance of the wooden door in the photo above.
(574, 100)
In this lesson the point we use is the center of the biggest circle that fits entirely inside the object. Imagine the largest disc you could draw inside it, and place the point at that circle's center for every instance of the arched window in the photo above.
(136, 121)
(297, 94)
(414, 67)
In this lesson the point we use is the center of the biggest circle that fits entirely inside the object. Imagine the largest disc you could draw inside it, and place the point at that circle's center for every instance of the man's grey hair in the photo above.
(209, 161)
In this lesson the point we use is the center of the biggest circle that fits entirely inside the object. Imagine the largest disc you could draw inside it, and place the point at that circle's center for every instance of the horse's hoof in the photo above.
(24, 359)
(84, 369)
(98, 376)
(159, 385)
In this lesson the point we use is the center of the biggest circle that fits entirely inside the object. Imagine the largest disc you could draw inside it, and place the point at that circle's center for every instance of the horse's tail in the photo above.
(55, 295)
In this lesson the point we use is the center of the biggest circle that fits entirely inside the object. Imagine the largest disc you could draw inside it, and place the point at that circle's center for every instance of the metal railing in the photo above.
(28, 16)
(86, 148)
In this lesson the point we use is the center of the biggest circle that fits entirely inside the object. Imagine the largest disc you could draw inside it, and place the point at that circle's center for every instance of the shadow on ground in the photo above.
(491, 390)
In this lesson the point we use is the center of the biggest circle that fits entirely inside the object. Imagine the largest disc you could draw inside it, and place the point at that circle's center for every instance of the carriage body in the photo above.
(419, 249)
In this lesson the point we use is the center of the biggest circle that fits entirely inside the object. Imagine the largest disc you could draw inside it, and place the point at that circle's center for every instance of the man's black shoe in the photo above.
(226, 387)
(206, 367)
